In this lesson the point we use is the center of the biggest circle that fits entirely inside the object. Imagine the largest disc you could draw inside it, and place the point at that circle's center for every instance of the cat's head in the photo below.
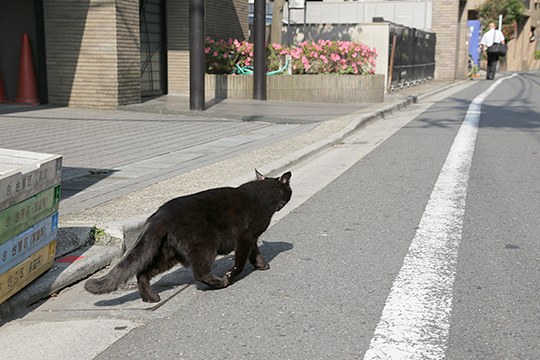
(283, 185)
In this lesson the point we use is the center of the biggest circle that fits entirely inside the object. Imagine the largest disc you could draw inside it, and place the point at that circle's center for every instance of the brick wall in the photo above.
(463, 44)
(93, 47)
(92, 50)
(128, 46)
(450, 24)
(178, 46)
(223, 19)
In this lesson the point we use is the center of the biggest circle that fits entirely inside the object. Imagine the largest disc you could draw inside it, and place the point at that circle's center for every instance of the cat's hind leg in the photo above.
(145, 289)
(161, 263)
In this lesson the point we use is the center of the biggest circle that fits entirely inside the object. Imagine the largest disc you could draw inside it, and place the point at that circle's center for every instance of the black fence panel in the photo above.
(412, 56)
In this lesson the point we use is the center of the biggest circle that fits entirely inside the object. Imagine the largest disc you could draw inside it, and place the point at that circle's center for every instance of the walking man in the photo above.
(489, 38)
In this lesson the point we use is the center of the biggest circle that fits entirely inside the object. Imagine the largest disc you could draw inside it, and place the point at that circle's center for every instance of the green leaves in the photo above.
(511, 10)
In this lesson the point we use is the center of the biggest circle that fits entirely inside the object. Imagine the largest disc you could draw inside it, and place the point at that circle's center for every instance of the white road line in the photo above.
(415, 321)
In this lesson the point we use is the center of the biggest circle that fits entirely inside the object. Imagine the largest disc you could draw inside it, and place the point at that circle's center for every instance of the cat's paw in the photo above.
(228, 278)
(262, 265)
(151, 298)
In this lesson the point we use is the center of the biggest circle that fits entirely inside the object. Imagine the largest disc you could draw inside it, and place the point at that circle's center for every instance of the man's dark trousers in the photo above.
(492, 65)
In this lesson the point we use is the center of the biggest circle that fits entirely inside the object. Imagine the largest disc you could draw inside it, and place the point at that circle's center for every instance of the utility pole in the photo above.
(259, 43)
(196, 55)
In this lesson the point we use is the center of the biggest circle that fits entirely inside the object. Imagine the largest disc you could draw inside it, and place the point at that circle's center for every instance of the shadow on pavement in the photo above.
(183, 276)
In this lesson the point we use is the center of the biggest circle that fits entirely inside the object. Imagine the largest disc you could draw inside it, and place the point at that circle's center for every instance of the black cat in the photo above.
(193, 229)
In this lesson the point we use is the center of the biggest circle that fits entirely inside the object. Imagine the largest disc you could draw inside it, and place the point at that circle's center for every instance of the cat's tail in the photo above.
(131, 264)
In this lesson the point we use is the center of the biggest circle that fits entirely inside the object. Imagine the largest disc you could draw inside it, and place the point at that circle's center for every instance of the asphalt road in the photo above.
(416, 238)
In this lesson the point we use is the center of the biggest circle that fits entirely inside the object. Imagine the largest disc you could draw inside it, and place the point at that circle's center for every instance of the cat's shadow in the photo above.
(183, 276)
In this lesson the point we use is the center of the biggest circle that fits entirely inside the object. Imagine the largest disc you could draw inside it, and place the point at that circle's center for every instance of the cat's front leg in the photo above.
(241, 253)
(257, 260)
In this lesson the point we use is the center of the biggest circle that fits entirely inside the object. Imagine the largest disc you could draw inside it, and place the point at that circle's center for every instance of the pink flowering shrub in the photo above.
(333, 57)
(321, 57)
(219, 56)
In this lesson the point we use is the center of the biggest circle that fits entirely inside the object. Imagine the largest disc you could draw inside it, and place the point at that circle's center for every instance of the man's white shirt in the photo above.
(489, 38)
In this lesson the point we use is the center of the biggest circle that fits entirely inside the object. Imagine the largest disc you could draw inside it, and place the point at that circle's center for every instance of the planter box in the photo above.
(346, 89)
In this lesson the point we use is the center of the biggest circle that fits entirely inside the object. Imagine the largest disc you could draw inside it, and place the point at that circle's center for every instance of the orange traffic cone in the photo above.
(27, 91)
(2, 93)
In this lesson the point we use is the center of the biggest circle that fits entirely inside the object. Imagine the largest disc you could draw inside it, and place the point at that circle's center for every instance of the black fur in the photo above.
(193, 229)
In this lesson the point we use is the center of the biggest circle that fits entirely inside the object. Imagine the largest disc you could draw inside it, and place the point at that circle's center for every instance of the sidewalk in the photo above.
(121, 165)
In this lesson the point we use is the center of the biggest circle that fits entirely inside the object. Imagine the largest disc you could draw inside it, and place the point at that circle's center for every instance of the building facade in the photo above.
(521, 48)
(446, 18)
(106, 53)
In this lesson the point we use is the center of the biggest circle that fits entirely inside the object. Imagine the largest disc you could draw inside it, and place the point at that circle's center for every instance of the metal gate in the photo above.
(153, 48)
(412, 56)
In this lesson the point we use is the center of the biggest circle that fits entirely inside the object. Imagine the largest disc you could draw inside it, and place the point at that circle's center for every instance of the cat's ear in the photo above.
(285, 178)
(259, 175)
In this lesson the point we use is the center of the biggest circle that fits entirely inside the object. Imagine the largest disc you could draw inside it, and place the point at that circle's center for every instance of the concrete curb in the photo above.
(65, 272)
(88, 259)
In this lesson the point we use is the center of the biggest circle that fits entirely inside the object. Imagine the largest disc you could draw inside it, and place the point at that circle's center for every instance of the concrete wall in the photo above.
(377, 36)
(374, 35)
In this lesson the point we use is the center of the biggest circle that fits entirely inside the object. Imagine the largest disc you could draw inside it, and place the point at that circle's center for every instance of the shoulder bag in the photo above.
(497, 48)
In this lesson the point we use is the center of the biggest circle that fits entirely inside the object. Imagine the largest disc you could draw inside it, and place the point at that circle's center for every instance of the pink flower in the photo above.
(335, 57)
(207, 50)
(216, 53)
(305, 62)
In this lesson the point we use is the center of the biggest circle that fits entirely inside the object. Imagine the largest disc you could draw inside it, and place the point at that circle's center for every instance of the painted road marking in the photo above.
(415, 321)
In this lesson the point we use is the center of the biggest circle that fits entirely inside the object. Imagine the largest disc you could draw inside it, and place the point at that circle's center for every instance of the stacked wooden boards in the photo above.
(29, 199)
